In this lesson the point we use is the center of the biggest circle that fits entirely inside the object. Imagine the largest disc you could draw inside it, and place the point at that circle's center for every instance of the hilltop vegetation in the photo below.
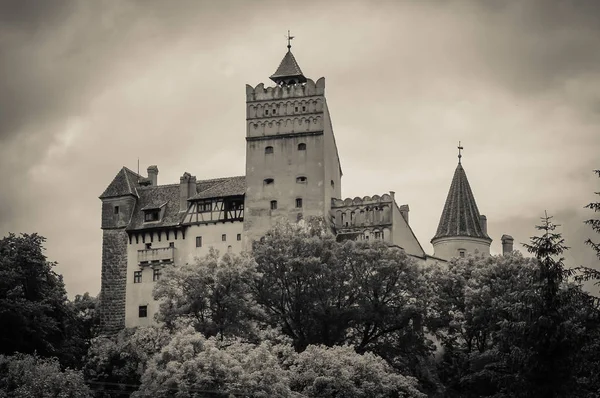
(304, 315)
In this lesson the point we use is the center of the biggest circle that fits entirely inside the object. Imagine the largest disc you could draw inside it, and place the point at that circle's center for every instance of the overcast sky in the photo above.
(87, 87)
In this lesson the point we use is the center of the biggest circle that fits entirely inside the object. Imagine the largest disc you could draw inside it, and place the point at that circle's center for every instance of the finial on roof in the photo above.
(288, 72)
(289, 39)
(460, 148)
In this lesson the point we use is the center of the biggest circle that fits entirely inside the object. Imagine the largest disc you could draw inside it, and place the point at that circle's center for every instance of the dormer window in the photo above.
(301, 180)
(151, 215)
(269, 181)
(302, 147)
(268, 150)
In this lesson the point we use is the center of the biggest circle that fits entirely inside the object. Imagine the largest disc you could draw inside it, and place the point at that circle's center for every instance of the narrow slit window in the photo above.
(239, 236)
(198, 241)
(116, 209)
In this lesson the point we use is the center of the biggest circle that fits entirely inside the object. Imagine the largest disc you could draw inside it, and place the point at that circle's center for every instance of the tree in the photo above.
(33, 304)
(192, 365)
(328, 372)
(516, 327)
(24, 375)
(320, 291)
(116, 364)
(588, 273)
(214, 294)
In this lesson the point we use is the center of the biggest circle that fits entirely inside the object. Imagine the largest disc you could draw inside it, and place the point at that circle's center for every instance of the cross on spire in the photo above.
(460, 148)
(289, 40)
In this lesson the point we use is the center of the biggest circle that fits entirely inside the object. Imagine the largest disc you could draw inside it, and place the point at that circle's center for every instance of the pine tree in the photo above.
(588, 273)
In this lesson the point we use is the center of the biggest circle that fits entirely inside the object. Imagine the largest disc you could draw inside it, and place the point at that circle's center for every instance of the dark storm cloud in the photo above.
(88, 86)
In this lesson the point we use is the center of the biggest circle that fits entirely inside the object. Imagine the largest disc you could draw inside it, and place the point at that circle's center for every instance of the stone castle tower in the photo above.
(292, 164)
(462, 229)
(292, 172)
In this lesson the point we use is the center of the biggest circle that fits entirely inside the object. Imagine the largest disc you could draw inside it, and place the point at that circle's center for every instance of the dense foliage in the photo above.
(24, 375)
(305, 315)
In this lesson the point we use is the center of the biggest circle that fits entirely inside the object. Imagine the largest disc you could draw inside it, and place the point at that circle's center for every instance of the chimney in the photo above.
(153, 175)
(404, 211)
(483, 222)
(507, 244)
(187, 188)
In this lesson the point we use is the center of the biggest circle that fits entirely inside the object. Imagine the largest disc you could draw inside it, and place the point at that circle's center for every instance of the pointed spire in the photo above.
(460, 216)
(288, 72)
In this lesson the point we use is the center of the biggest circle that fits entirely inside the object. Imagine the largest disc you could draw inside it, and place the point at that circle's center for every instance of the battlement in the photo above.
(310, 88)
(367, 200)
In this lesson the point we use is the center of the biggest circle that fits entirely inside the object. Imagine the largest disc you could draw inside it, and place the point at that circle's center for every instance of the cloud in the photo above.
(92, 86)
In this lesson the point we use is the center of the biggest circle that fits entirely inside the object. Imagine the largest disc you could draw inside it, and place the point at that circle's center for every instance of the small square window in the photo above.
(302, 147)
(273, 205)
(299, 203)
(148, 246)
(116, 209)
(143, 311)
(137, 276)
(198, 241)
(239, 236)
(224, 237)
(268, 150)
(155, 274)
(171, 244)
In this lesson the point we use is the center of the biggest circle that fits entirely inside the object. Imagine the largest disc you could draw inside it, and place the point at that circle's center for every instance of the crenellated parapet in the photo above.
(363, 212)
(310, 88)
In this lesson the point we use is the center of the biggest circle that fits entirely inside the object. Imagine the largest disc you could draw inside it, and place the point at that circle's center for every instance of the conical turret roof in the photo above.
(460, 216)
(288, 72)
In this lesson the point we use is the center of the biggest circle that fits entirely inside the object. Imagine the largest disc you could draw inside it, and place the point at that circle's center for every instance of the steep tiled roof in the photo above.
(460, 216)
(167, 197)
(154, 197)
(124, 183)
(221, 187)
(288, 70)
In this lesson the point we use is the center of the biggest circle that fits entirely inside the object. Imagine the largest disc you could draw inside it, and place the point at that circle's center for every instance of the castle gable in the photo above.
(124, 183)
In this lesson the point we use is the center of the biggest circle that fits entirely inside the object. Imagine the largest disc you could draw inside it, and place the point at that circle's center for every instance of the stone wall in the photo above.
(114, 278)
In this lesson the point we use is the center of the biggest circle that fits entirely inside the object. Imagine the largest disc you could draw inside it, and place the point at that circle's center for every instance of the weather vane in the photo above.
(289, 39)
(460, 148)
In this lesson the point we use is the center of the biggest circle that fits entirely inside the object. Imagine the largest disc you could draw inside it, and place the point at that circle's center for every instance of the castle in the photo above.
(293, 172)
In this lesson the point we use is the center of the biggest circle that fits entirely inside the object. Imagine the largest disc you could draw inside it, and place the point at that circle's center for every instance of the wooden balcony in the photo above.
(163, 255)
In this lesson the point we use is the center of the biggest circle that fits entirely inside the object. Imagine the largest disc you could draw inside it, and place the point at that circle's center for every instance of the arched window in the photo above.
(301, 180)
(269, 181)
(302, 147)
(268, 150)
